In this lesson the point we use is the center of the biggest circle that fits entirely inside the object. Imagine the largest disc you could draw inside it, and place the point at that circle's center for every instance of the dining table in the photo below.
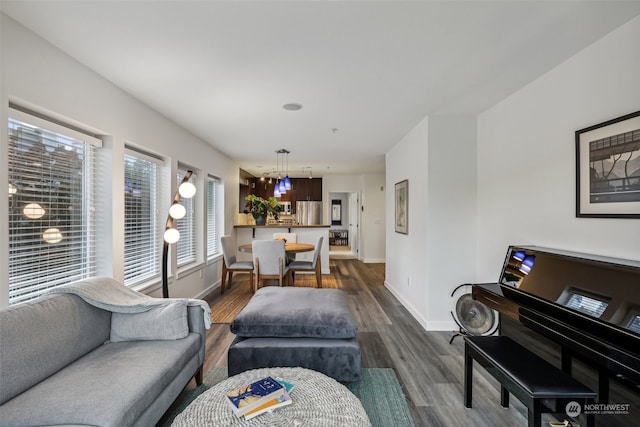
(290, 248)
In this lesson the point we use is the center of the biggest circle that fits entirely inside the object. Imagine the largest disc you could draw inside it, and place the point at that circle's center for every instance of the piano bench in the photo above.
(539, 385)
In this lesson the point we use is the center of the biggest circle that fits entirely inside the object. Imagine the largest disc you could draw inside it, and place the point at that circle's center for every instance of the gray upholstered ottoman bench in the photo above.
(289, 327)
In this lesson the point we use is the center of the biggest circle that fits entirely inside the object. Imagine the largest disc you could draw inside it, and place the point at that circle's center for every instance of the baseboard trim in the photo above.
(432, 326)
(406, 304)
(209, 289)
(374, 260)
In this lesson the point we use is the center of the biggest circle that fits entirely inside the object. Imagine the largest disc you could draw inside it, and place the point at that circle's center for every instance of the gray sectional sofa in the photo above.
(64, 361)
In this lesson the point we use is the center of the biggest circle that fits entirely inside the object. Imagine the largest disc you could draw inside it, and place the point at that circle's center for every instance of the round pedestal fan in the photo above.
(472, 317)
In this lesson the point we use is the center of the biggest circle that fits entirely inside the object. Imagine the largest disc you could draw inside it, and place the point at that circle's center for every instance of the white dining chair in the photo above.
(269, 262)
(290, 238)
(231, 264)
(313, 265)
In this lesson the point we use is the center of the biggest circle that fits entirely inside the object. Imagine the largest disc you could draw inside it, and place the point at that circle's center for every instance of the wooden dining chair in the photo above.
(231, 264)
(269, 262)
(313, 265)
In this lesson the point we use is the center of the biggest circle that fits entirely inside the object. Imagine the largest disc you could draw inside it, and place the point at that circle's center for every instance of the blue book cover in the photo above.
(248, 397)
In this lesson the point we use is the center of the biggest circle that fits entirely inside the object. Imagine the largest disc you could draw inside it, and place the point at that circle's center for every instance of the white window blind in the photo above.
(141, 222)
(51, 208)
(186, 246)
(213, 248)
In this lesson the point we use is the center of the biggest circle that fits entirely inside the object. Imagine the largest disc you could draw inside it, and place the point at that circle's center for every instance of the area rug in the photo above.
(226, 308)
(378, 390)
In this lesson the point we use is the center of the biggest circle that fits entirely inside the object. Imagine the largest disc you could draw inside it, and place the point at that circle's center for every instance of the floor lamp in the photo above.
(171, 234)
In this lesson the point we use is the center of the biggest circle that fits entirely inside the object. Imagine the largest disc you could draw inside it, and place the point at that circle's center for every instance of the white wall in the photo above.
(406, 267)
(438, 157)
(507, 177)
(526, 155)
(451, 214)
(373, 219)
(38, 75)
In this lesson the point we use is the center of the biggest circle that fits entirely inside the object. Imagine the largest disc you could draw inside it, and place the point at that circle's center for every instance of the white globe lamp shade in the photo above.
(177, 211)
(187, 190)
(171, 235)
(52, 235)
(33, 211)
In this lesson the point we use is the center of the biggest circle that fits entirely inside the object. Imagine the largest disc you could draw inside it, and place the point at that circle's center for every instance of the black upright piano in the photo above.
(578, 311)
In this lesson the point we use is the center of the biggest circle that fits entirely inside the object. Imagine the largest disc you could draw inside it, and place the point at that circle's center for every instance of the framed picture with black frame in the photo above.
(608, 169)
(402, 207)
(336, 212)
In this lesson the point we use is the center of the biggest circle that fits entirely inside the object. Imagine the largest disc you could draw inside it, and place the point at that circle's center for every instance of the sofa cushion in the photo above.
(40, 337)
(111, 386)
(296, 312)
(167, 322)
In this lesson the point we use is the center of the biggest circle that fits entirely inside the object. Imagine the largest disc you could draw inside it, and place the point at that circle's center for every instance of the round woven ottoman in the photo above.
(317, 400)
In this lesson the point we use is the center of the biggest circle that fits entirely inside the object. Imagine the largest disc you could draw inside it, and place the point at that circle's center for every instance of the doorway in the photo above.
(344, 231)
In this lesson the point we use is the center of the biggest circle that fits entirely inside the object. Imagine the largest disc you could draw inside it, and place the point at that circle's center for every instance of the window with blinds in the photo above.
(186, 246)
(142, 232)
(213, 247)
(51, 209)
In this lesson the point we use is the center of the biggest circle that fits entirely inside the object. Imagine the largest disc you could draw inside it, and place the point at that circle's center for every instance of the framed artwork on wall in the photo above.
(608, 169)
(402, 207)
(336, 212)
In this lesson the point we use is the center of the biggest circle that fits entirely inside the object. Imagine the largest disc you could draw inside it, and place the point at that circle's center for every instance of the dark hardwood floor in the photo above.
(429, 369)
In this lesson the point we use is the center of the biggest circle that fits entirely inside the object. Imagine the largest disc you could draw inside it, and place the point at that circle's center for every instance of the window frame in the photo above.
(150, 267)
(213, 213)
(36, 266)
(186, 248)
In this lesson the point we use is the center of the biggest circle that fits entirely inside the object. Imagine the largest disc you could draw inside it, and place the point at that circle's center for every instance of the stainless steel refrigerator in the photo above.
(309, 213)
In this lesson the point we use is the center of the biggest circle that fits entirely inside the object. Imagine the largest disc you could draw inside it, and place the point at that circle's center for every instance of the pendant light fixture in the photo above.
(276, 188)
(276, 191)
(284, 184)
(287, 181)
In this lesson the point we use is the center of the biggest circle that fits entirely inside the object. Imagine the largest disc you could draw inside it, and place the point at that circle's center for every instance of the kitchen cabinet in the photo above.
(247, 186)
(302, 189)
(308, 189)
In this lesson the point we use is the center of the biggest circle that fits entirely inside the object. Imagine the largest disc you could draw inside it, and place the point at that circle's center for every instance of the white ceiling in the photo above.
(370, 69)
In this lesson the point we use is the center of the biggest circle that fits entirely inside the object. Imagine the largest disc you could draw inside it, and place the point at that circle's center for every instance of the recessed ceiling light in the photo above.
(292, 107)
